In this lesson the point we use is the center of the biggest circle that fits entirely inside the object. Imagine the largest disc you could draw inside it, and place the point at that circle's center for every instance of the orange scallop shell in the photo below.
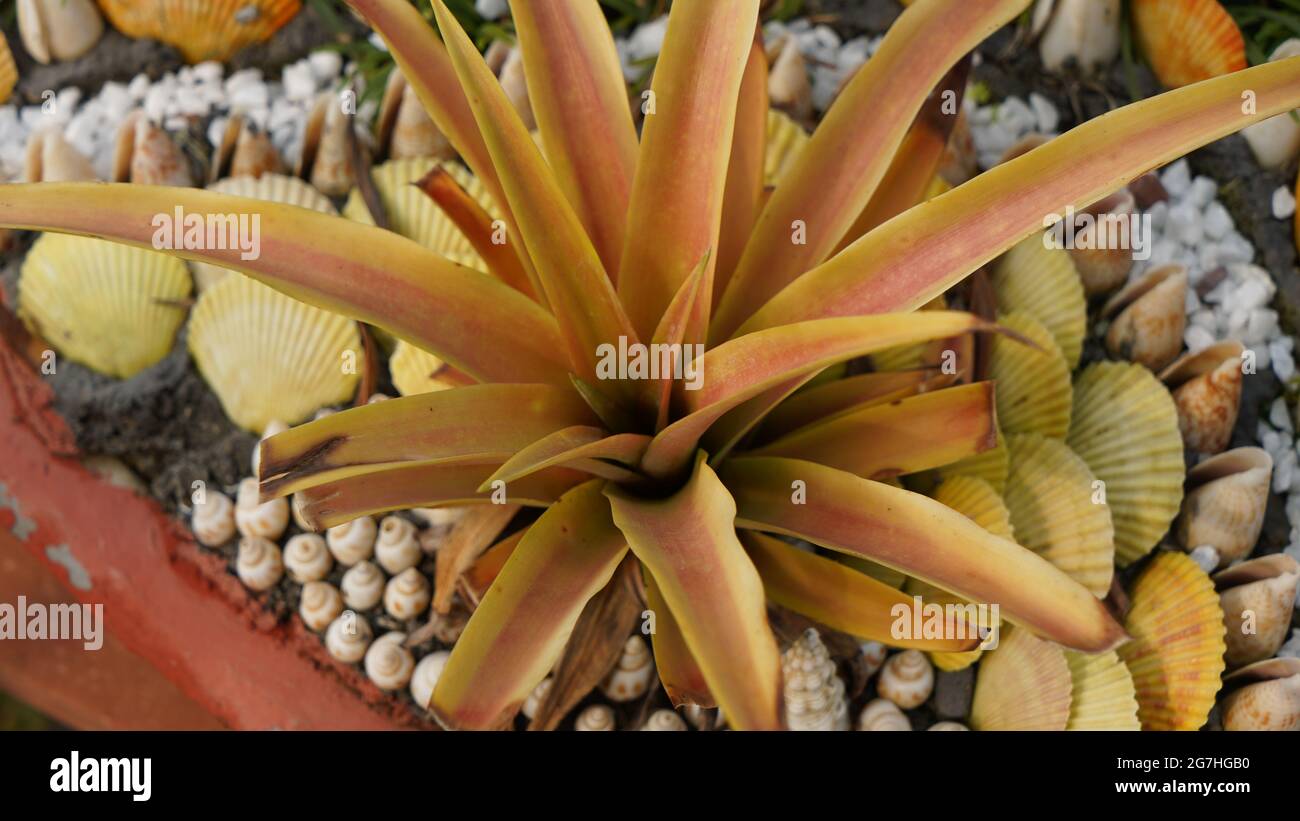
(1187, 41)
(201, 29)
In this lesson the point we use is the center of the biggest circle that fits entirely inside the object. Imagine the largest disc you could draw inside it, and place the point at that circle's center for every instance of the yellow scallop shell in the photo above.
(785, 140)
(1033, 385)
(269, 357)
(8, 71)
(992, 466)
(412, 214)
(975, 499)
(1056, 513)
(909, 357)
(1102, 697)
(1023, 684)
(1043, 283)
(113, 308)
(269, 188)
(1125, 427)
(1176, 655)
(415, 370)
(201, 29)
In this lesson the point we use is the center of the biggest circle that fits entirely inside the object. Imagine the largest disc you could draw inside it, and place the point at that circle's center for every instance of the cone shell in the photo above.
(51, 158)
(1033, 385)
(1043, 283)
(1225, 503)
(1264, 696)
(1125, 429)
(326, 159)
(788, 86)
(270, 357)
(8, 71)
(1257, 598)
(1024, 684)
(785, 139)
(1148, 318)
(270, 188)
(992, 466)
(404, 128)
(201, 29)
(1103, 696)
(113, 308)
(1176, 655)
(1102, 270)
(1055, 511)
(413, 215)
(146, 155)
(245, 151)
(814, 692)
(1207, 393)
(415, 370)
(59, 29)
(1188, 41)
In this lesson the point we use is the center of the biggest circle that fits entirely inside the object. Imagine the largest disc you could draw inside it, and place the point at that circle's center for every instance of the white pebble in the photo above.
(1177, 178)
(1283, 203)
(1045, 112)
(1278, 414)
(1284, 471)
(1217, 221)
(1206, 556)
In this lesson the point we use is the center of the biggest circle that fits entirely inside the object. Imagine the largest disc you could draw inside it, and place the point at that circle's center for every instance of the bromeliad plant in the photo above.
(669, 237)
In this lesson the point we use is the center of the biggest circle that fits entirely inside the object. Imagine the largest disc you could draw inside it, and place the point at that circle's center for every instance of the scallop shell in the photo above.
(1043, 282)
(991, 466)
(113, 308)
(1148, 318)
(268, 188)
(1032, 385)
(268, 356)
(1176, 655)
(58, 29)
(910, 357)
(1258, 598)
(1189, 41)
(1126, 429)
(1207, 392)
(1056, 513)
(1225, 503)
(415, 370)
(413, 215)
(1102, 695)
(785, 140)
(201, 29)
(1266, 696)
(1024, 684)
(814, 692)
(8, 72)
(1103, 269)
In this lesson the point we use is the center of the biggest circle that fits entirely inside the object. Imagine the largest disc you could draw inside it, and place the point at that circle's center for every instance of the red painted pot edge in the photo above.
(164, 598)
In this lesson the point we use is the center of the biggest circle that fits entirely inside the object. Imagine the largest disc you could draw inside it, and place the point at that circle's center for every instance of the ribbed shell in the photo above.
(1102, 698)
(8, 71)
(1024, 684)
(201, 29)
(1033, 386)
(1125, 428)
(992, 466)
(113, 308)
(1051, 500)
(814, 693)
(1176, 655)
(1189, 40)
(414, 370)
(270, 357)
(1043, 283)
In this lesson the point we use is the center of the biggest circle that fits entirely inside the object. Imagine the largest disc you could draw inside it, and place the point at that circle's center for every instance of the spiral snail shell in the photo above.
(267, 521)
(347, 637)
(363, 586)
(397, 547)
(631, 677)
(664, 721)
(214, 520)
(941, 726)
(258, 565)
(536, 697)
(406, 595)
(388, 664)
(883, 715)
(874, 654)
(814, 693)
(425, 677)
(272, 428)
(907, 679)
(597, 717)
(306, 558)
(319, 605)
(353, 541)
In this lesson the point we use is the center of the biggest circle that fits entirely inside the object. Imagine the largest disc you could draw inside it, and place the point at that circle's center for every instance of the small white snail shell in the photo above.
(259, 566)
(406, 595)
(214, 520)
(907, 679)
(947, 725)
(363, 586)
(306, 558)
(296, 504)
(376, 398)
(397, 547)
(883, 715)
(874, 653)
(536, 697)
(267, 521)
(320, 604)
(631, 677)
(388, 664)
(595, 718)
(272, 428)
(352, 541)
(664, 720)
(348, 637)
(425, 677)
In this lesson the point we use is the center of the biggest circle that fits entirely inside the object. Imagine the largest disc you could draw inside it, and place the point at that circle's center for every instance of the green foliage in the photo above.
(1265, 24)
